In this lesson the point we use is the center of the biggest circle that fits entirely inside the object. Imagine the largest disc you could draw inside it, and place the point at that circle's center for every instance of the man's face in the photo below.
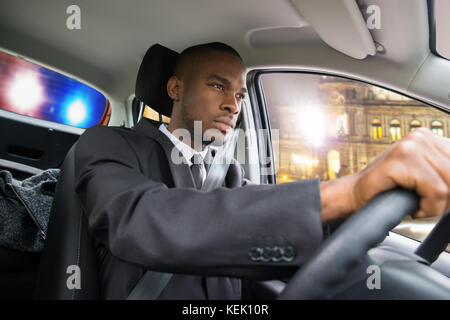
(213, 91)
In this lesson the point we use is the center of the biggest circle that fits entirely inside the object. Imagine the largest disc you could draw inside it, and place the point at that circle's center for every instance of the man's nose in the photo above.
(231, 104)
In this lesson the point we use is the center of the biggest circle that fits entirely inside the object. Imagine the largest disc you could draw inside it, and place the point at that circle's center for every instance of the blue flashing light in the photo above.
(61, 99)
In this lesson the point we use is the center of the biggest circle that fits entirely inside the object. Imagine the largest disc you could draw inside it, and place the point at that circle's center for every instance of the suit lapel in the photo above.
(181, 173)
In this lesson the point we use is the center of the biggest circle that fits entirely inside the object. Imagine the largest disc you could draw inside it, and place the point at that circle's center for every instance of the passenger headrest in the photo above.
(155, 70)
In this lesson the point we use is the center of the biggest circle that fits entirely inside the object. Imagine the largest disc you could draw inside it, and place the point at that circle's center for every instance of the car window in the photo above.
(330, 127)
(32, 90)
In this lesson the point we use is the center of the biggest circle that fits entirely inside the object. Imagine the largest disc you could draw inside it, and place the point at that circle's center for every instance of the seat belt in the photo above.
(152, 284)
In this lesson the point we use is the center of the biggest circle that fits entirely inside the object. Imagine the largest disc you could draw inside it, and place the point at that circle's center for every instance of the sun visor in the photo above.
(340, 24)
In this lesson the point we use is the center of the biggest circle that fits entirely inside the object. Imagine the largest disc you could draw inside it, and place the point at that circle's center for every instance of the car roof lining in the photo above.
(115, 35)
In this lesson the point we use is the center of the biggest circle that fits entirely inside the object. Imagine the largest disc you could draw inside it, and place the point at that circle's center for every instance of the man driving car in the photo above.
(145, 212)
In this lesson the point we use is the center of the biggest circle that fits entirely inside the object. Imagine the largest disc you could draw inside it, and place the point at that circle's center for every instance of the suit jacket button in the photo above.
(255, 253)
(289, 254)
(277, 254)
(267, 254)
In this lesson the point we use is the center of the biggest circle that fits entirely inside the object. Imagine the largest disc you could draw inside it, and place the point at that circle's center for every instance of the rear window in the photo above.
(31, 90)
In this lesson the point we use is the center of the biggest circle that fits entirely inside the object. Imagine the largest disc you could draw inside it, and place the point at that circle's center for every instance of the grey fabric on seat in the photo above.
(25, 209)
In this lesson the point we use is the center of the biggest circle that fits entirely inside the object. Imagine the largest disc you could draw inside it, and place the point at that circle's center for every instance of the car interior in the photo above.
(123, 53)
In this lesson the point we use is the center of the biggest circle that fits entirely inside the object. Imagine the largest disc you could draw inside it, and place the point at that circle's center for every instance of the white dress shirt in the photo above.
(185, 150)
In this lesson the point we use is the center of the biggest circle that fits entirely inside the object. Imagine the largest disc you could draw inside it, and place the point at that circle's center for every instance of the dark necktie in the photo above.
(196, 169)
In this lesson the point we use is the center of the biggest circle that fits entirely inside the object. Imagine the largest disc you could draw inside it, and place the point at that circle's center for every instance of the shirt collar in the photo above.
(185, 150)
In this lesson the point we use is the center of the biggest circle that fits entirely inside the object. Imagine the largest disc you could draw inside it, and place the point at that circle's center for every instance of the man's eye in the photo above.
(219, 86)
(240, 96)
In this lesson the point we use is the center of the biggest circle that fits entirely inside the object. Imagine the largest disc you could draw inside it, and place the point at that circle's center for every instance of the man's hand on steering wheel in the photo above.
(419, 162)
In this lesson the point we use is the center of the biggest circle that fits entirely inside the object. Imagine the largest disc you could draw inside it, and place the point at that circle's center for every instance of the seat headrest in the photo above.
(151, 83)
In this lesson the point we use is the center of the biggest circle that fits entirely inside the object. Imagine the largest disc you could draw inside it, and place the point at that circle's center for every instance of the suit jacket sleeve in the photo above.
(182, 230)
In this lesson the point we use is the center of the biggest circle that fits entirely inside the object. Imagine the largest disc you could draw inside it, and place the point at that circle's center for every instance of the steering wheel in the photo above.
(350, 243)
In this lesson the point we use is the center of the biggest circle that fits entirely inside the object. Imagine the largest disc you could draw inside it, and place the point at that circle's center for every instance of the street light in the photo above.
(312, 127)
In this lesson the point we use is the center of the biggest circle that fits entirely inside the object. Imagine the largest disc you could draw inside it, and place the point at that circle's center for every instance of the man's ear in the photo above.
(174, 88)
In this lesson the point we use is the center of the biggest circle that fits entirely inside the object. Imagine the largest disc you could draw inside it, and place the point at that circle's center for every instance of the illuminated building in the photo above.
(358, 122)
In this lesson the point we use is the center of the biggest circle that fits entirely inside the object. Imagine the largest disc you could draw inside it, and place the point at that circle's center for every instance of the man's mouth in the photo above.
(223, 125)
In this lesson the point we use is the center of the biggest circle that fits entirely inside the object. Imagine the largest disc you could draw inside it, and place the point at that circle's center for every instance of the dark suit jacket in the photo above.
(145, 213)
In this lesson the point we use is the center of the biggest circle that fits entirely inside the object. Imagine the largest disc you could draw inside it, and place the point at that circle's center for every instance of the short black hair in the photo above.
(185, 57)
